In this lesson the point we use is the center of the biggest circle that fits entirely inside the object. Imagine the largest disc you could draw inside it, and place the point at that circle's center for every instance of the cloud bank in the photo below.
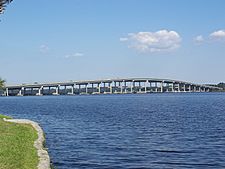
(218, 35)
(162, 40)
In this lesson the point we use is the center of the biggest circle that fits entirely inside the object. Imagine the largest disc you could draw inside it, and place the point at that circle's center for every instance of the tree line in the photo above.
(2, 83)
(221, 85)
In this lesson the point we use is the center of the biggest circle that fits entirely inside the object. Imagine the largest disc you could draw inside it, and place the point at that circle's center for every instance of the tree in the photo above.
(222, 85)
(2, 83)
(3, 5)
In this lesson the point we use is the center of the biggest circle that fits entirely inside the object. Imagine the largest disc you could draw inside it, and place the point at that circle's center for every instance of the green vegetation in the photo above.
(3, 4)
(6, 117)
(221, 85)
(17, 146)
(2, 83)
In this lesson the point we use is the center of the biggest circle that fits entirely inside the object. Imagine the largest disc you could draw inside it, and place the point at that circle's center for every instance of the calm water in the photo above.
(128, 131)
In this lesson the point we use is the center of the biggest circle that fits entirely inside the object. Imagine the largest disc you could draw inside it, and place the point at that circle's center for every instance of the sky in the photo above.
(52, 41)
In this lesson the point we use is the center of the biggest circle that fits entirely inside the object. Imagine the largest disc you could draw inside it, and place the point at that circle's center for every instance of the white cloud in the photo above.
(162, 40)
(199, 39)
(44, 48)
(123, 39)
(218, 35)
(74, 55)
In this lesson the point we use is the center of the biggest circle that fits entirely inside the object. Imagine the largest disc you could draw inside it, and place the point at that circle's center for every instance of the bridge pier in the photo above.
(156, 87)
(86, 88)
(184, 87)
(40, 91)
(72, 90)
(57, 88)
(92, 88)
(131, 86)
(189, 88)
(179, 87)
(7, 92)
(162, 83)
(172, 87)
(99, 88)
(21, 91)
(146, 86)
(121, 87)
(110, 88)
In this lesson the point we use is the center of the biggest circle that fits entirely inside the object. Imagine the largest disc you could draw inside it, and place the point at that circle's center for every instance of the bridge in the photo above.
(107, 86)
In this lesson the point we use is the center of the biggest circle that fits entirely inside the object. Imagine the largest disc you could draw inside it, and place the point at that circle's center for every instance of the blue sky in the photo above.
(50, 41)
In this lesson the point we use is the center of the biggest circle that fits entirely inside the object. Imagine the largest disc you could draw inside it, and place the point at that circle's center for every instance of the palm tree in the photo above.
(2, 83)
(3, 5)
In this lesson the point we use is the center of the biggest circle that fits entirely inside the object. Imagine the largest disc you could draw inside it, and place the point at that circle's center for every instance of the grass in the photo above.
(17, 146)
(2, 116)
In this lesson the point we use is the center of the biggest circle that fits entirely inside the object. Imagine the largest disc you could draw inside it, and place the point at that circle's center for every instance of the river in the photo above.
(169, 130)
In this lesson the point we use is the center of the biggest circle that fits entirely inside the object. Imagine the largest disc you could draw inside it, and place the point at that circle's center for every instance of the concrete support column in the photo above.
(110, 88)
(72, 89)
(150, 86)
(7, 91)
(172, 87)
(40, 91)
(189, 88)
(194, 88)
(184, 87)
(99, 88)
(121, 87)
(86, 88)
(131, 87)
(167, 87)
(146, 86)
(156, 87)
(139, 87)
(125, 86)
(103, 87)
(178, 87)
(57, 90)
(21, 92)
(92, 87)
(162, 86)
(115, 87)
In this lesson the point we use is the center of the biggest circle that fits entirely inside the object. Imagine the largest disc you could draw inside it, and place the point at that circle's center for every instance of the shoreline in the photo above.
(44, 159)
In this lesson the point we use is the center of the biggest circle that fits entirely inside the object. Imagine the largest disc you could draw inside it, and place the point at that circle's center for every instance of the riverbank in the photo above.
(21, 143)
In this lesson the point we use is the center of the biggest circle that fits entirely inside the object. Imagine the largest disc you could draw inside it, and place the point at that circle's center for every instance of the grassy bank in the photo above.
(17, 146)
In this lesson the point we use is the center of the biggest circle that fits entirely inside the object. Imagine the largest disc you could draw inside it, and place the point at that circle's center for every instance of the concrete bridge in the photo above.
(107, 86)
